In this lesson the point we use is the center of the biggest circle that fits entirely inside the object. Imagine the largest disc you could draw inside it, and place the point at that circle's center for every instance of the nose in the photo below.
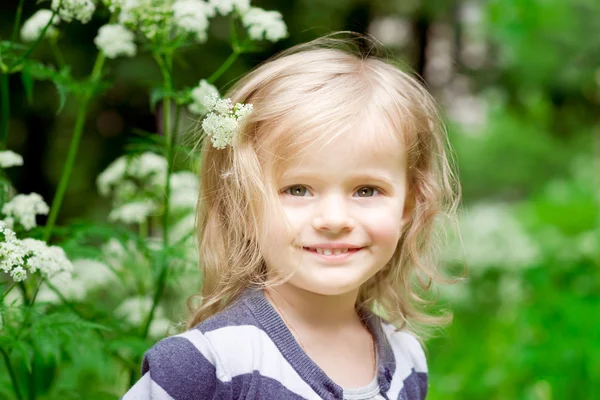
(333, 215)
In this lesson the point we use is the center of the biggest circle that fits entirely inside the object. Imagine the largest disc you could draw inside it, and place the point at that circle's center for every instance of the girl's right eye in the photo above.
(297, 191)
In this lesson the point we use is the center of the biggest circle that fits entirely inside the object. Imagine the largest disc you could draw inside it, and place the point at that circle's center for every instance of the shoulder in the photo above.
(198, 363)
(405, 344)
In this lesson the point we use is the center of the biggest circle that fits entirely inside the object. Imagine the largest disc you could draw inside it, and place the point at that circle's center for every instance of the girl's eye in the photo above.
(366, 191)
(299, 191)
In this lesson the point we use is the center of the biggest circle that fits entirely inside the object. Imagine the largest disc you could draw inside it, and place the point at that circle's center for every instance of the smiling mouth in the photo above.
(334, 253)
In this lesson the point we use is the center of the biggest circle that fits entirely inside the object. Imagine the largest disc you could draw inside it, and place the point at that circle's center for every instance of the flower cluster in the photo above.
(69, 10)
(115, 40)
(261, 23)
(21, 257)
(33, 27)
(224, 120)
(10, 159)
(23, 208)
(127, 172)
(199, 94)
(224, 7)
(192, 16)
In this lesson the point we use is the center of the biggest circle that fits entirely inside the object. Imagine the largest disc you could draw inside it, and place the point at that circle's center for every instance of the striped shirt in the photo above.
(247, 352)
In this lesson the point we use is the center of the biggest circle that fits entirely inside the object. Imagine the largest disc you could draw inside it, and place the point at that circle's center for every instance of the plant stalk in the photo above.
(230, 60)
(15, 32)
(73, 148)
(11, 373)
(4, 109)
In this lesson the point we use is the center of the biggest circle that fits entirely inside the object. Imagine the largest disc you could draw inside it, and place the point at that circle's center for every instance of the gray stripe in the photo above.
(182, 371)
(415, 386)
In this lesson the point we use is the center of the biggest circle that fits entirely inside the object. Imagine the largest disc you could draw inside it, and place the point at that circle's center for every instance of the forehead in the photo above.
(364, 149)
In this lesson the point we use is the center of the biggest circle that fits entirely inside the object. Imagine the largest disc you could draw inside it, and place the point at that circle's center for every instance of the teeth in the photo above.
(329, 252)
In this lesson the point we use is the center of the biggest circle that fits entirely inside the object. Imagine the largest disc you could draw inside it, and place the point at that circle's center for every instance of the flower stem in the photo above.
(15, 32)
(37, 41)
(11, 373)
(5, 109)
(12, 285)
(73, 148)
(230, 60)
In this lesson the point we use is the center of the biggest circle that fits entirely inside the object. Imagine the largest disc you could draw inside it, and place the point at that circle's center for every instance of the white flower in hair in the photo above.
(223, 120)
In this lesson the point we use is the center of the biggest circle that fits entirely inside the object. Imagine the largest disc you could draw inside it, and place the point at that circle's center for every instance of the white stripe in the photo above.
(145, 389)
(202, 344)
(246, 348)
(408, 354)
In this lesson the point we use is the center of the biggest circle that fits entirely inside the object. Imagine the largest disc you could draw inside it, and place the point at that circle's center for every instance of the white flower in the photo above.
(134, 212)
(183, 228)
(261, 23)
(80, 10)
(224, 119)
(493, 237)
(135, 310)
(33, 27)
(112, 175)
(49, 260)
(90, 274)
(10, 159)
(12, 254)
(24, 208)
(115, 40)
(192, 16)
(148, 165)
(184, 190)
(224, 7)
(199, 93)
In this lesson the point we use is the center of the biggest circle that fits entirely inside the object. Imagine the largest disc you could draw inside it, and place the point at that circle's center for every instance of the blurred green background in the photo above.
(519, 84)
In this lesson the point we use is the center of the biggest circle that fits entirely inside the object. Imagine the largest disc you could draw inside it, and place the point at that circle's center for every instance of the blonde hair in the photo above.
(309, 94)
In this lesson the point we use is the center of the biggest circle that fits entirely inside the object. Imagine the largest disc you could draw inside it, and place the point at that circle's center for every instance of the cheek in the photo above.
(384, 226)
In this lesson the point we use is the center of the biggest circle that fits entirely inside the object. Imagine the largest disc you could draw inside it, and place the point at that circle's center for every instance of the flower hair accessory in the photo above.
(223, 120)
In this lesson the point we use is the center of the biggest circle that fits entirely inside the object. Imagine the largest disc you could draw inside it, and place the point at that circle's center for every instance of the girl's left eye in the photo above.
(367, 191)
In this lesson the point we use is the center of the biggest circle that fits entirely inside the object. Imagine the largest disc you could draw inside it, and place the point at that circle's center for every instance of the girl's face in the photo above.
(345, 203)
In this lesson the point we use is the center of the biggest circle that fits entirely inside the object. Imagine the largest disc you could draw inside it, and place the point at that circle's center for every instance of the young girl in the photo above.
(314, 222)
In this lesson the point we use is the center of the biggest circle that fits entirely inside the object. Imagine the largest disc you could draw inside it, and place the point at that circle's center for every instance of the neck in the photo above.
(315, 311)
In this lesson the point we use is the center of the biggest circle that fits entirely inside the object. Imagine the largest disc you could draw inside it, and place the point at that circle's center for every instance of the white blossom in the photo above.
(33, 27)
(135, 310)
(90, 274)
(111, 176)
(21, 257)
(80, 10)
(115, 40)
(147, 165)
(264, 24)
(192, 16)
(49, 260)
(224, 7)
(184, 190)
(24, 208)
(493, 237)
(224, 120)
(10, 159)
(199, 94)
(134, 212)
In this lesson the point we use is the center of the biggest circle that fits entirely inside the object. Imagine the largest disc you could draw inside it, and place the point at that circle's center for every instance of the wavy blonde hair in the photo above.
(309, 94)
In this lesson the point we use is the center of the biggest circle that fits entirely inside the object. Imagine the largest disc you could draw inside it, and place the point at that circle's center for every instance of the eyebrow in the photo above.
(359, 177)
